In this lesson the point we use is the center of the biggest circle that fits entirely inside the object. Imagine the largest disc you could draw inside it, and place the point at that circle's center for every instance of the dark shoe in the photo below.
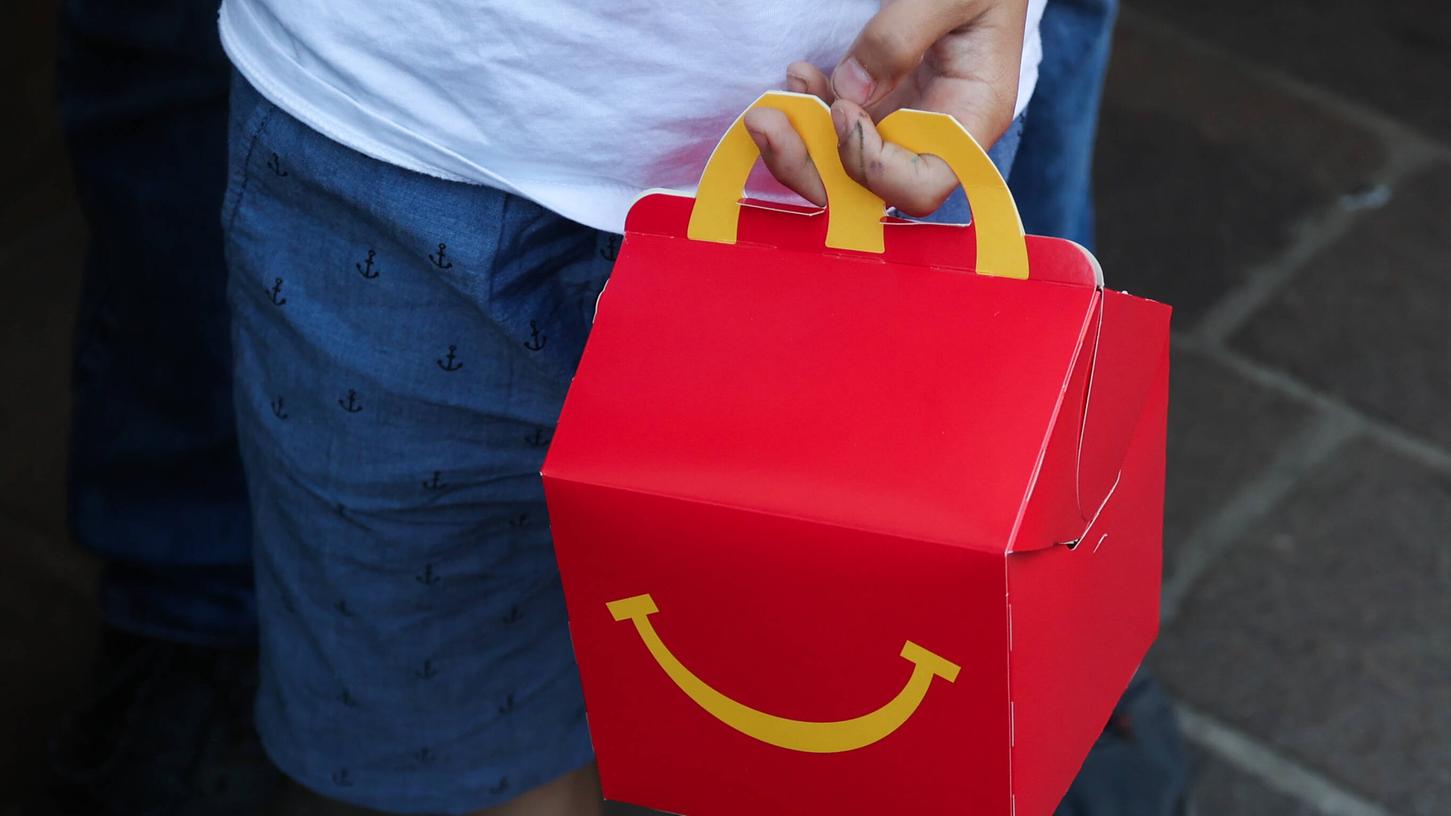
(167, 731)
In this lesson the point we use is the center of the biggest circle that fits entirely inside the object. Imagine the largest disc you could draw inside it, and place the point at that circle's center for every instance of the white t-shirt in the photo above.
(578, 106)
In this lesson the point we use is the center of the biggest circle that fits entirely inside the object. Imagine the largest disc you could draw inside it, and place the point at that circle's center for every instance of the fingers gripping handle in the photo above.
(1001, 248)
(854, 212)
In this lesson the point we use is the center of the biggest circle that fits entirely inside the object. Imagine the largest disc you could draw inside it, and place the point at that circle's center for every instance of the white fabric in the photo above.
(578, 106)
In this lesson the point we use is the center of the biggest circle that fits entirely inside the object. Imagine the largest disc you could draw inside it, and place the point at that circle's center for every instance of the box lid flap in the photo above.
(887, 392)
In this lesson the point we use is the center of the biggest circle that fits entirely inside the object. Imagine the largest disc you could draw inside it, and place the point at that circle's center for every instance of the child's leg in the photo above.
(403, 345)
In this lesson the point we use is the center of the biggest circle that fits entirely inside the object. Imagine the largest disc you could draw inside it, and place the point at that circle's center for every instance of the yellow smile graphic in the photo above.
(796, 735)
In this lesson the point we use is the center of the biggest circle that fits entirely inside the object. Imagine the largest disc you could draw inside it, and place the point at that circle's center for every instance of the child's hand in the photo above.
(954, 56)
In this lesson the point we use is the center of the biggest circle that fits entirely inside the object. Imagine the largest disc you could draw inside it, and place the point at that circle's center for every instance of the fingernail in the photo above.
(795, 84)
(851, 81)
(838, 120)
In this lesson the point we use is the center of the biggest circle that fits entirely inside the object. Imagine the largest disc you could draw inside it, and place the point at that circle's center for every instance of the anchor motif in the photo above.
(275, 291)
(508, 704)
(537, 439)
(342, 778)
(424, 755)
(428, 672)
(448, 364)
(501, 787)
(434, 483)
(536, 340)
(351, 406)
(611, 249)
(366, 267)
(439, 260)
(514, 615)
(275, 165)
(278, 409)
(428, 577)
(342, 608)
(521, 520)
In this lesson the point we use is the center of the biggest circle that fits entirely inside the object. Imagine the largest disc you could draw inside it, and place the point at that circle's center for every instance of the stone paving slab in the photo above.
(1368, 318)
(1221, 789)
(1391, 56)
(1324, 632)
(1203, 170)
(1222, 431)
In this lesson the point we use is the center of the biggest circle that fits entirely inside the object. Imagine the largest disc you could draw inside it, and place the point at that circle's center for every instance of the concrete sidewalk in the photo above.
(1281, 174)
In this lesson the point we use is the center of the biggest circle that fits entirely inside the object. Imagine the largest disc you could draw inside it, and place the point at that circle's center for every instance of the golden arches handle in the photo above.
(795, 735)
(1001, 248)
(854, 215)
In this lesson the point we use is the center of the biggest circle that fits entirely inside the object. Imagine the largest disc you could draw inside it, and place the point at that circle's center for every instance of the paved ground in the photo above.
(1281, 173)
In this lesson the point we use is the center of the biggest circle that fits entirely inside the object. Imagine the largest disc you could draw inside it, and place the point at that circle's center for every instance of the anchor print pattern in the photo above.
(536, 340)
(365, 268)
(553, 329)
(611, 250)
(448, 364)
(274, 163)
(441, 259)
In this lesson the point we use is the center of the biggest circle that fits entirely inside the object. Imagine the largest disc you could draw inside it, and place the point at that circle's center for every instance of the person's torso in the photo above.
(577, 106)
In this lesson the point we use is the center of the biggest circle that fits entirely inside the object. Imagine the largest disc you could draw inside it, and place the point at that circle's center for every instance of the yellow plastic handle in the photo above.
(854, 212)
(1001, 248)
(794, 735)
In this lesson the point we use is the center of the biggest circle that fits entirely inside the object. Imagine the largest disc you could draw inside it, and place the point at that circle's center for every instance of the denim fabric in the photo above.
(402, 348)
(156, 484)
(1053, 180)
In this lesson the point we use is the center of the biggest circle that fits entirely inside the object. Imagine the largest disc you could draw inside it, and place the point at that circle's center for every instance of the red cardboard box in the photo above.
(854, 515)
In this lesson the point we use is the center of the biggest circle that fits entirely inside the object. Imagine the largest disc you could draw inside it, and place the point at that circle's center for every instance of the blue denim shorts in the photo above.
(402, 347)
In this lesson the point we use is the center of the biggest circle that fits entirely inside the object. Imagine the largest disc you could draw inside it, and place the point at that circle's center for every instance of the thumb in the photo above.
(893, 43)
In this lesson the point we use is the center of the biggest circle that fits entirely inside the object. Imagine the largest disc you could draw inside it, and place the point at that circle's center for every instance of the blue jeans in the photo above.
(156, 484)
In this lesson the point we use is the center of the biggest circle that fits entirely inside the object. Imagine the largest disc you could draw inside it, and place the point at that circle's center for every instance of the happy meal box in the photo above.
(856, 515)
